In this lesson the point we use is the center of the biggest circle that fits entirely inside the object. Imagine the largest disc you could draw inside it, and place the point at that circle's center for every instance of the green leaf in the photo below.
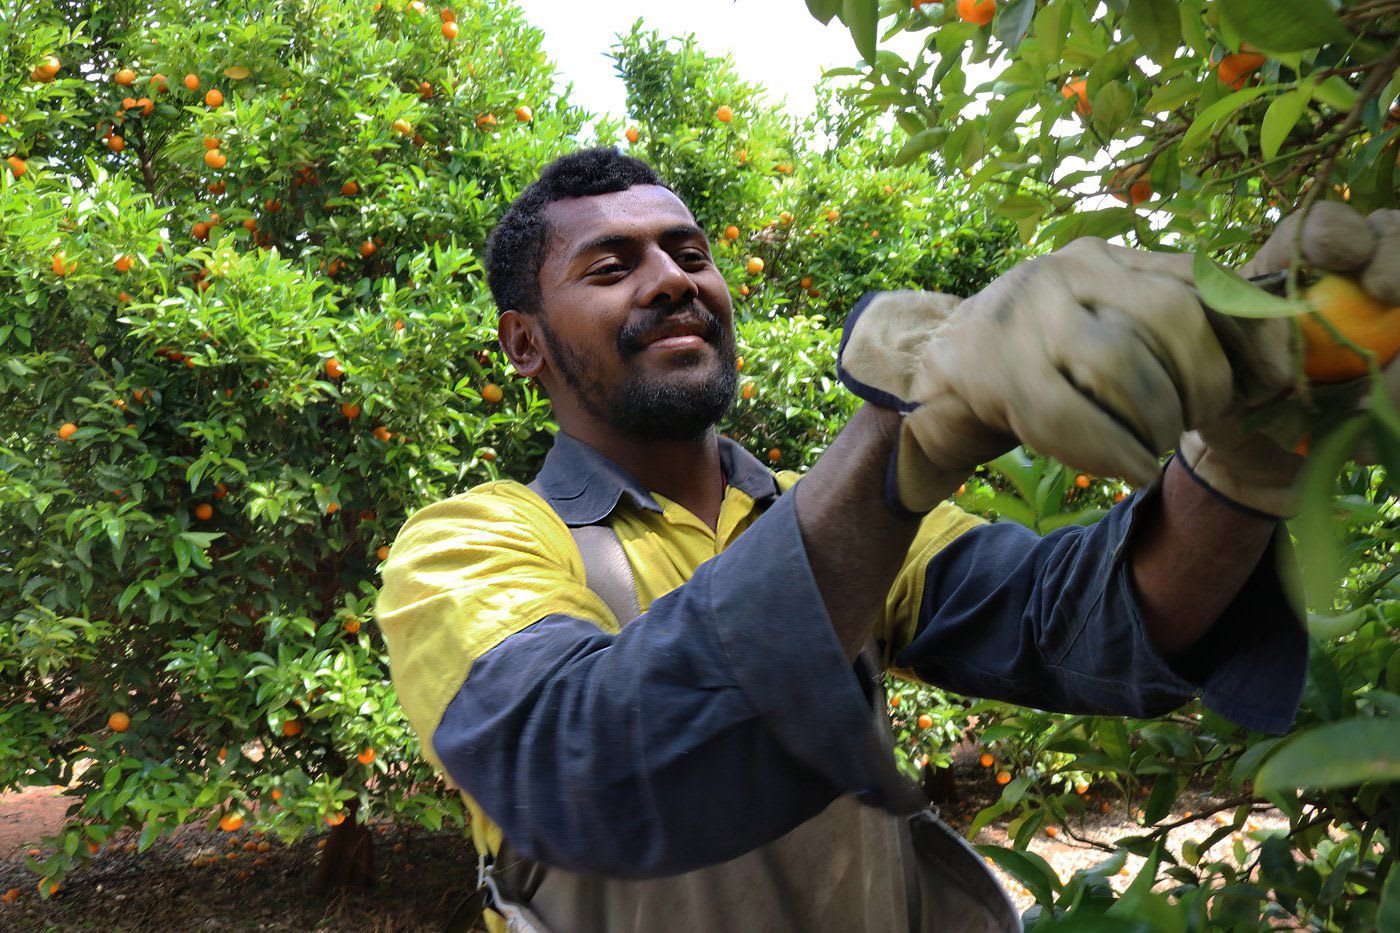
(1315, 527)
(1019, 206)
(1388, 916)
(1112, 106)
(1028, 868)
(1218, 112)
(1283, 114)
(1156, 25)
(862, 17)
(1284, 25)
(1339, 754)
(824, 10)
(1173, 94)
(1229, 293)
(1159, 802)
(919, 144)
(1012, 20)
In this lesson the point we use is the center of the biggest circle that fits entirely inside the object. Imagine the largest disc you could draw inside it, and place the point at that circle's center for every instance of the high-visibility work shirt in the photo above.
(727, 713)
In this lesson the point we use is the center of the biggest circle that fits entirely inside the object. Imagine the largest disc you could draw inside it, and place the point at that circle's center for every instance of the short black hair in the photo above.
(516, 249)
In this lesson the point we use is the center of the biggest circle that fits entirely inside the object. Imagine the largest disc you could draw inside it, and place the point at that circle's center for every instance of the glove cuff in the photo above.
(1268, 498)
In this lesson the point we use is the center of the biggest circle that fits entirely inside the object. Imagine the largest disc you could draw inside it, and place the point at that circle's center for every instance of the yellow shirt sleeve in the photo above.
(463, 575)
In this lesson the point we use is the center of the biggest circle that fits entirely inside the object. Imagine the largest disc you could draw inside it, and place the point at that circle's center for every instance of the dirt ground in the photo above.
(422, 877)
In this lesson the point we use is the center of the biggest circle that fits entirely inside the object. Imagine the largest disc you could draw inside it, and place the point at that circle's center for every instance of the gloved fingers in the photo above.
(1112, 366)
(1335, 238)
(1075, 430)
(1260, 351)
(1166, 316)
(1154, 262)
(1381, 277)
(881, 343)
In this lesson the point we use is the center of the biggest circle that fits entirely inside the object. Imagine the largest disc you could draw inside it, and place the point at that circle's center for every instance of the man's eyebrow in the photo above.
(614, 240)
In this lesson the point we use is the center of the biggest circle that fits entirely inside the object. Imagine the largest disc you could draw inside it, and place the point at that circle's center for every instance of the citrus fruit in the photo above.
(350, 410)
(524, 114)
(192, 82)
(334, 369)
(925, 721)
(119, 722)
(291, 727)
(1358, 317)
(492, 393)
(215, 159)
(365, 757)
(214, 97)
(204, 511)
(987, 760)
(755, 265)
(17, 166)
(1078, 89)
(978, 12)
(125, 76)
(230, 822)
(632, 134)
(1003, 777)
(724, 113)
(1234, 69)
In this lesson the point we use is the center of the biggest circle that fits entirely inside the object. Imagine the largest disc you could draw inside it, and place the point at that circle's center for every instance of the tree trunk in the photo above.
(348, 858)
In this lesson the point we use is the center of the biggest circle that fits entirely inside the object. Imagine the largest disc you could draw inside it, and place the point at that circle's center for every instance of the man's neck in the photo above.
(687, 472)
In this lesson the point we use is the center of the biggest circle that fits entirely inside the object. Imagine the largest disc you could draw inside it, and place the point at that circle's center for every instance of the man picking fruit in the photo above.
(656, 671)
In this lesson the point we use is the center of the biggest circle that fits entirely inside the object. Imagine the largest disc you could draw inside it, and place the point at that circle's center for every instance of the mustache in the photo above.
(631, 339)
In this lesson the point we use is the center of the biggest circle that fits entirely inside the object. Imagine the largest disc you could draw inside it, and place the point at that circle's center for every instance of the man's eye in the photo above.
(611, 268)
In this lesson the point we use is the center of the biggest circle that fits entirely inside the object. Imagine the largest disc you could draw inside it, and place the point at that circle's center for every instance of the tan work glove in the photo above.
(1249, 467)
(1098, 355)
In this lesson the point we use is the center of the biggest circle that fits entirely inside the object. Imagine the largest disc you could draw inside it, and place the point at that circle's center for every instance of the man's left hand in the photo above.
(1249, 467)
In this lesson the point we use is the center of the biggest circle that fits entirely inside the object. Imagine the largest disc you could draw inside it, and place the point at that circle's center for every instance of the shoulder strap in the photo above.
(605, 568)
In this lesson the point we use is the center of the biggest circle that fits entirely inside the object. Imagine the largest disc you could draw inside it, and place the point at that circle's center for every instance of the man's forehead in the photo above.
(636, 211)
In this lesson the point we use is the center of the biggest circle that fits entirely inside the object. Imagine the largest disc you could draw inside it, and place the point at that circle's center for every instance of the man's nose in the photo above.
(667, 283)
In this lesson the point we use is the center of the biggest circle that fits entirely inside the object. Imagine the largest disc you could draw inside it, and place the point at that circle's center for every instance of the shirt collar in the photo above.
(584, 487)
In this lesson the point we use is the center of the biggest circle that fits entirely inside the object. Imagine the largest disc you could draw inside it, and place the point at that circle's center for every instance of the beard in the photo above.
(657, 407)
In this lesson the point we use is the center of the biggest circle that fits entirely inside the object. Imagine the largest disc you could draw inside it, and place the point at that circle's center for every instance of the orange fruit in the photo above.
(332, 508)
(449, 31)
(524, 114)
(214, 97)
(119, 722)
(10, 896)
(832, 216)
(200, 231)
(487, 454)
(128, 103)
(350, 189)
(1236, 68)
(125, 76)
(365, 757)
(755, 265)
(925, 721)
(220, 490)
(61, 265)
(806, 282)
(1003, 777)
(250, 224)
(744, 290)
(292, 727)
(895, 699)
(334, 369)
(147, 106)
(416, 8)
(47, 888)
(192, 82)
(116, 143)
(212, 142)
(447, 15)
(1052, 831)
(1358, 317)
(335, 819)
(724, 113)
(632, 134)
(774, 454)
(987, 760)
(485, 121)
(402, 127)
(157, 83)
(215, 159)
(785, 218)
(272, 205)
(492, 393)
(351, 626)
(382, 553)
(381, 433)
(230, 822)
(1081, 481)
(731, 232)
(1079, 89)
(979, 12)
(367, 249)
(1139, 191)
(17, 166)
(350, 410)
(425, 90)
(204, 511)
(1081, 789)
(748, 391)
(123, 263)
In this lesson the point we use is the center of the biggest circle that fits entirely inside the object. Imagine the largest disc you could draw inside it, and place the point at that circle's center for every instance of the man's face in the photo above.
(636, 319)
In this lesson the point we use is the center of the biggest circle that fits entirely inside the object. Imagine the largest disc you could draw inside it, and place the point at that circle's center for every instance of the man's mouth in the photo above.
(685, 333)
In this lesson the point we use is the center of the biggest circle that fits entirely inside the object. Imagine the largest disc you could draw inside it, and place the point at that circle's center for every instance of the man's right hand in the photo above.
(1097, 355)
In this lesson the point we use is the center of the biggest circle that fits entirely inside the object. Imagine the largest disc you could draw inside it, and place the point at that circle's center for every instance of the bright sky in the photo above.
(775, 43)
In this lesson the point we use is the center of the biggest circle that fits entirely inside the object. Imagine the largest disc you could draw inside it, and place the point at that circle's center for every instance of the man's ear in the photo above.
(519, 335)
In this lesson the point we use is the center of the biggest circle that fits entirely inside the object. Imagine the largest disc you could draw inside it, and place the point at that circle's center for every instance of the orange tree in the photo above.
(1205, 121)
(244, 332)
